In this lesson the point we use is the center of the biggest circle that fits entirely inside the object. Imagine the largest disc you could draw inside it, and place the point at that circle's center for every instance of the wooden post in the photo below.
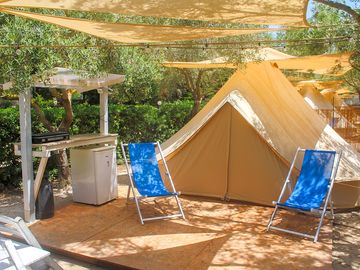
(104, 113)
(26, 155)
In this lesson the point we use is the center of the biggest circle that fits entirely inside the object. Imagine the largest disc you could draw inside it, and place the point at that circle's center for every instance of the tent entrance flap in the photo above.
(223, 159)
(255, 171)
(196, 175)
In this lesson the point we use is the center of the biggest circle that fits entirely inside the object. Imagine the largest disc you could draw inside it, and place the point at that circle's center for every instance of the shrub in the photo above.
(9, 133)
(133, 123)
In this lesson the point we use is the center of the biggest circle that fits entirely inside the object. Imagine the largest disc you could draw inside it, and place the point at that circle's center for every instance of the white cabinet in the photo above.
(93, 174)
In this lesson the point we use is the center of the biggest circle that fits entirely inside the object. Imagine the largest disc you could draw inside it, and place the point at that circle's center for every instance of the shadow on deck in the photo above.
(215, 235)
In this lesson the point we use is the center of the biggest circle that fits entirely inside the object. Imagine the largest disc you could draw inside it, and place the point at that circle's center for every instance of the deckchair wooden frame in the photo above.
(139, 198)
(328, 200)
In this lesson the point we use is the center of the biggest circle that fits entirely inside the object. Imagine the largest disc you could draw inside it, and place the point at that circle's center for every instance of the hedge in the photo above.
(133, 123)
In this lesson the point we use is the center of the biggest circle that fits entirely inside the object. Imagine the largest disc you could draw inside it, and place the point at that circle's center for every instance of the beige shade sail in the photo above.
(320, 85)
(241, 143)
(136, 33)
(264, 54)
(220, 62)
(334, 64)
(270, 12)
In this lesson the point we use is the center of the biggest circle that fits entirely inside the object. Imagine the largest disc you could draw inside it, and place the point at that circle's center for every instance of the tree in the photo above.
(352, 78)
(32, 58)
(343, 7)
(25, 65)
(143, 75)
(203, 83)
(63, 97)
(194, 84)
(332, 22)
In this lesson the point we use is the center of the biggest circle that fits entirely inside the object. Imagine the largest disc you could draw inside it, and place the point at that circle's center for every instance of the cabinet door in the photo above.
(83, 176)
(103, 175)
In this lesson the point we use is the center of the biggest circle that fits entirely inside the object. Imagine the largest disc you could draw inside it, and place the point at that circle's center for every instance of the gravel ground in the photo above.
(346, 241)
(346, 234)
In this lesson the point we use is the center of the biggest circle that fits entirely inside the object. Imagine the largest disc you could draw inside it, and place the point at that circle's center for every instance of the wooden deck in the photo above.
(216, 235)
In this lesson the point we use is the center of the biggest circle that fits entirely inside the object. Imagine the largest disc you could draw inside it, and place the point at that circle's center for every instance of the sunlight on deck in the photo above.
(215, 235)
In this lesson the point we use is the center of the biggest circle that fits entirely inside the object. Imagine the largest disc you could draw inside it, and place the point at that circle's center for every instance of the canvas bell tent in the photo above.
(313, 97)
(332, 96)
(239, 146)
(330, 106)
(321, 105)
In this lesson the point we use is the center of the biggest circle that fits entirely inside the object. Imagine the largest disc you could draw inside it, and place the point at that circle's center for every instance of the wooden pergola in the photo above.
(63, 79)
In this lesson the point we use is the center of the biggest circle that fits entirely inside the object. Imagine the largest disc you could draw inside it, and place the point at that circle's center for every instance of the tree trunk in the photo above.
(64, 98)
(196, 90)
(196, 107)
(63, 168)
(61, 158)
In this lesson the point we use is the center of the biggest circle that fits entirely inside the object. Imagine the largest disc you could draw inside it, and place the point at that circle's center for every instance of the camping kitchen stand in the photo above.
(44, 150)
(64, 79)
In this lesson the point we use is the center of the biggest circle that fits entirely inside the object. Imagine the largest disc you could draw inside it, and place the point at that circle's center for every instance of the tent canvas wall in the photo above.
(241, 144)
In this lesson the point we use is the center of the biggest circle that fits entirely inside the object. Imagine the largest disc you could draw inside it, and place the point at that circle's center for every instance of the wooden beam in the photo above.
(39, 175)
(26, 155)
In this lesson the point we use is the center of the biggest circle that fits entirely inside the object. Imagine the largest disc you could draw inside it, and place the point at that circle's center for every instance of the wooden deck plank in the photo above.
(216, 235)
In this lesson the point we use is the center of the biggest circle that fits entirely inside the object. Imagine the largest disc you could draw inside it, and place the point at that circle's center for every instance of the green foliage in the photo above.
(86, 119)
(143, 75)
(332, 23)
(322, 16)
(137, 123)
(9, 133)
(10, 166)
(24, 66)
(133, 123)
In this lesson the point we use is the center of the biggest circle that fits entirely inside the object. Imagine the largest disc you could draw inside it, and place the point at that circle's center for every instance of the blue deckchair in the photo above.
(146, 178)
(312, 189)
